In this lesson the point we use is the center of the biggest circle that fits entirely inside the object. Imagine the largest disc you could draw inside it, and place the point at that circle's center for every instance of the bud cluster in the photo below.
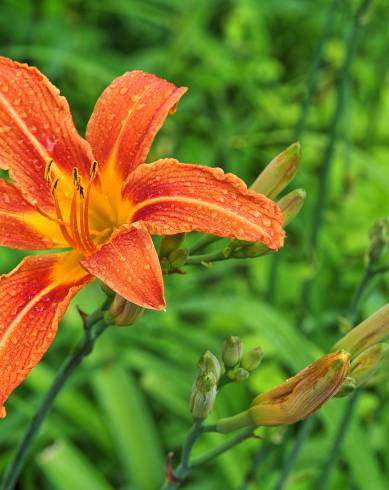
(239, 365)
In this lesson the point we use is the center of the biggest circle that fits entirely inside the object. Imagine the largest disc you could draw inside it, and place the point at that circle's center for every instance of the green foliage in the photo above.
(247, 64)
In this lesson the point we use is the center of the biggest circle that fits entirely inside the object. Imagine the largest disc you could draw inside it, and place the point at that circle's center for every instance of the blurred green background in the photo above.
(261, 75)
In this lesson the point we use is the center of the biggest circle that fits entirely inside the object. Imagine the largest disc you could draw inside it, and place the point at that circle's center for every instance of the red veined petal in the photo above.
(170, 197)
(129, 265)
(36, 126)
(126, 119)
(21, 226)
(34, 297)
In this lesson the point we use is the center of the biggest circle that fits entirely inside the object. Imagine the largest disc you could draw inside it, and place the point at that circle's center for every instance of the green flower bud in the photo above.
(252, 359)
(291, 204)
(238, 374)
(295, 399)
(178, 258)
(232, 351)
(170, 243)
(123, 313)
(378, 241)
(367, 363)
(348, 386)
(369, 332)
(203, 395)
(209, 363)
(279, 172)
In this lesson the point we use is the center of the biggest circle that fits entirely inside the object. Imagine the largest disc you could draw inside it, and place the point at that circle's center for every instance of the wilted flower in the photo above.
(295, 399)
(99, 199)
(123, 312)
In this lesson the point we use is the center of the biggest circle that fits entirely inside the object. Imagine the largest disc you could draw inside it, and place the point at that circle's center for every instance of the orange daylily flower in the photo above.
(98, 198)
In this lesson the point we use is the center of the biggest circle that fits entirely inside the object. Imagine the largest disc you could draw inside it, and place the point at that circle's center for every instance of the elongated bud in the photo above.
(123, 313)
(291, 204)
(203, 395)
(295, 399)
(170, 243)
(252, 359)
(369, 332)
(378, 241)
(348, 386)
(279, 172)
(209, 363)
(238, 374)
(232, 351)
(367, 363)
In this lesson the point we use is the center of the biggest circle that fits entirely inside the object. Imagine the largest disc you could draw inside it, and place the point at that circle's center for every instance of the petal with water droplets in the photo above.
(34, 297)
(21, 226)
(129, 265)
(169, 197)
(36, 126)
(126, 119)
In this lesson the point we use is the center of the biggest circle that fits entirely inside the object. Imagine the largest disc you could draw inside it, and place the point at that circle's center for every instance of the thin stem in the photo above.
(260, 456)
(337, 444)
(182, 470)
(225, 446)
(362, 286)
(95, 325)
(305, 430)
(206, 258)
(300, 126)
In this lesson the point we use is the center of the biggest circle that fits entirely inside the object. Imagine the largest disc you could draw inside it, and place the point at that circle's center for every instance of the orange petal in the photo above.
(127, 117)
(171, 197)
(36, 126)
(32, 304)
(21, 226)
(129, 265)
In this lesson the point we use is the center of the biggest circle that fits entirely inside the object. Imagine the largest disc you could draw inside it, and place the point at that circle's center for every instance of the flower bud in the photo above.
(378, 241)
(178, 258)
(169, 243)
(348, 386)
(123, 312)
(238, 374)
(252, 359)
(291, 204)
(209, 363)
(232, 351)
(279, 172)
(369, 332)
(367, 363)
(203, 395)
(295, 399)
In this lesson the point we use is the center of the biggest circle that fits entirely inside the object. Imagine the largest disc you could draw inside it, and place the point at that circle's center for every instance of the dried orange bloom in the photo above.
(98, 198)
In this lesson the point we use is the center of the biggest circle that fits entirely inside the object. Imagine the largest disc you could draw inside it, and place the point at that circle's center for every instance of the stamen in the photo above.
(73, 211)
(48, 216)
(48, 171)
(84, 215)
(62, 227)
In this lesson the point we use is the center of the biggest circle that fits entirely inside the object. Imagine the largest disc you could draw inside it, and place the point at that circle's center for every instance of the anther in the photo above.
(47, 173)
(93, 170)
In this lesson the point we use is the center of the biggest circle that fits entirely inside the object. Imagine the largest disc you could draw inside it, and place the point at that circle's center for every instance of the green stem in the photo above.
(182, 470)
(362, 286)
(222, 448)
(206, 258)
(260, 456)
(95, 325)
(337, 444)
